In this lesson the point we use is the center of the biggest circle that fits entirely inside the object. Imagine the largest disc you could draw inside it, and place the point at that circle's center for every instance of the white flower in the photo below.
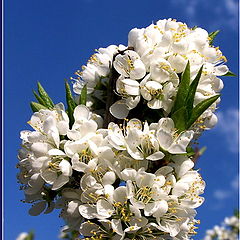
(86, 123)
(140, 143)
(129, 65)
(56, 170)
(169, 140)
(161, 71)
(158, 95)
(121, 108)
(127, 87)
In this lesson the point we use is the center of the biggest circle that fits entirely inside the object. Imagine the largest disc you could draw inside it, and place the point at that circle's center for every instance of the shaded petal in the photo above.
(119, 109)
(164, 138)
(156, 156)
(60, 181)
(49, 176)
(81, 112)
(37, 208)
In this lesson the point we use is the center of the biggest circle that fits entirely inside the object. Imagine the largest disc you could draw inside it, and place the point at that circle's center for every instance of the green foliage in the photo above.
(83, 96)
(30, 236)
(212, 36)
(44, 97)
(36, 106)
(230, 74)
(200, 108)
(70, 103)
(192, 92)
(183, 89)
(39, 99)
(180, 118)
(183, 113)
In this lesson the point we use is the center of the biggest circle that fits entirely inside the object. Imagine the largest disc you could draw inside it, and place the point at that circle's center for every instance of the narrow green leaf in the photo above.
(182, 90)
(83, 96)
(36, 106)
(43, 94)
(190, 152)
(70, 103)
(194, 27)
(30, 236)
(192, 92)
(212, 36)
(230, 74)
(180, 118)
(200, 108)
(202, 151)
(39, 99)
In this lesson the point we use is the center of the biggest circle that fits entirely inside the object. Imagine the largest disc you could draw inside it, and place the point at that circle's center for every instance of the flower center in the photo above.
(54, 164)
(144, 194)
(85, 156)
(146, 147)
(123, 211)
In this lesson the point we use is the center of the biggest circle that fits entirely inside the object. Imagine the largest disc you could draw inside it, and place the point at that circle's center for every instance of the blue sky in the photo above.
(47, 41)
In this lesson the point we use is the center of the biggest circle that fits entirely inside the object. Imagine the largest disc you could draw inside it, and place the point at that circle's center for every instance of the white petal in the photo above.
(56, 152)
(65, 168)
(49, 176)
(109, 178)
(155, 104)
(165, 139)
(128, 174)
(164, 170)
(77, 165)
(81, 112)
(120, 194)
(87, 211)
(180, 189)
(156, 156)
(185, 166)
(119, 109)
(162, 209)
(48, 124)
(60, 181)
(104, 208)
(150, 208)
(40, 149)
(221, 70)
(72, 208)
(87, 229)
(131, 86)
(117, 226)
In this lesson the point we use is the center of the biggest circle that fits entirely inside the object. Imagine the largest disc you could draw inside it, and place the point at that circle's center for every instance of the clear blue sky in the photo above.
(48, 40)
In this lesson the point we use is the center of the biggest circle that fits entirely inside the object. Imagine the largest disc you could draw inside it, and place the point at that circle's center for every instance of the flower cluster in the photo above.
(118, 178)
(105, 175)
(229, 230)
(149, 68)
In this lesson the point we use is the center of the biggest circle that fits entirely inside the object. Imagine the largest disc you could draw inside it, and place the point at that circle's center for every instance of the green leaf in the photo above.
(39, 99)
(194, 27)
(36, 106)
(230, 74)
(212, 36)
(83, 96)
(30, 236)
(180, 118)
(70, 103)
(192, 92)
(43, 94)
(183, 89)
(202, 151)
(200, 108)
